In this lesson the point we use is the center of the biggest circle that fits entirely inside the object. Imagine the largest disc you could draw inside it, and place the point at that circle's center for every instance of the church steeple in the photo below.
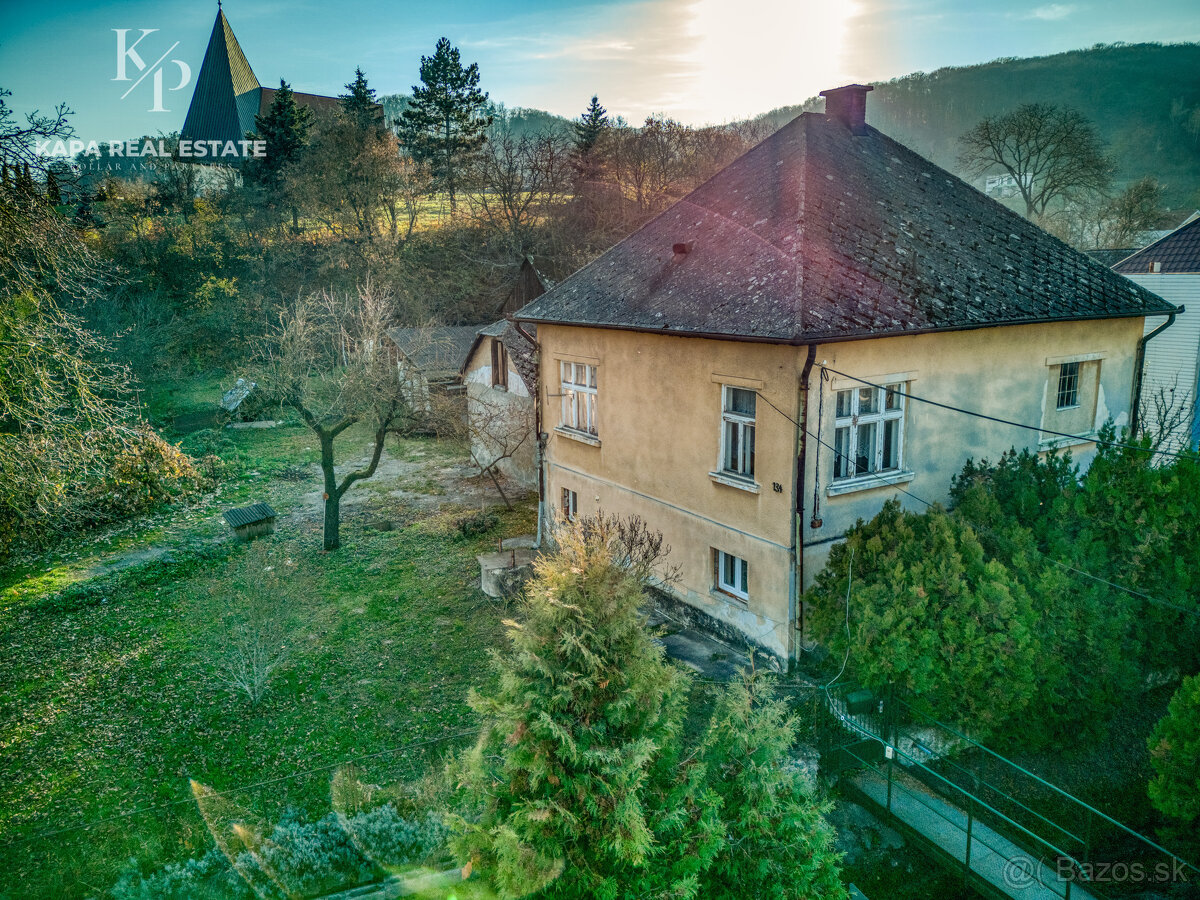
(226, 97)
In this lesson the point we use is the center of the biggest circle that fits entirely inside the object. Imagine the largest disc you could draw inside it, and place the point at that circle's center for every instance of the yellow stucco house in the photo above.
(742, 372)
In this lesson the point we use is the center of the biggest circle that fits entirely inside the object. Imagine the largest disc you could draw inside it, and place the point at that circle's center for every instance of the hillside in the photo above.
(1144, 99)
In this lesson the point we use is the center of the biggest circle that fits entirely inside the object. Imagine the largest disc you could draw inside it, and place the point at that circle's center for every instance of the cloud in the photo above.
(1052, 12)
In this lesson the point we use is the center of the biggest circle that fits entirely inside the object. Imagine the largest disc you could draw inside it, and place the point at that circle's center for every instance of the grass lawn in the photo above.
(108, 700)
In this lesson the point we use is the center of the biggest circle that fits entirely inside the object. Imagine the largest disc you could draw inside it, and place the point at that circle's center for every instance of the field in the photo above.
(109, 702)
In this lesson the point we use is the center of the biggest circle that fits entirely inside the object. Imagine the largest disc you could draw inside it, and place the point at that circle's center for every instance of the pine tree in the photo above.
(53, 192)
(590, 126)
(284, 129)
(360, 105)
(444, 123)
(777, 842)
(580, 795)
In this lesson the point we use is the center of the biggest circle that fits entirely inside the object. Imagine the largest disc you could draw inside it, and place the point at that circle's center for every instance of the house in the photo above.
(1170, 391)
(430, 360)
(500, 375)
(742, 372)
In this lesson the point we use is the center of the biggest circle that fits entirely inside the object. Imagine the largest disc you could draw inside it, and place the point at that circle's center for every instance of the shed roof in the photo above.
(437, 350)
(1178, 252)
(248, 515)
(821, 234)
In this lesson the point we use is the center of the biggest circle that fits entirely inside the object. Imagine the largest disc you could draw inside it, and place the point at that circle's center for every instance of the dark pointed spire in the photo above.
(226, 97)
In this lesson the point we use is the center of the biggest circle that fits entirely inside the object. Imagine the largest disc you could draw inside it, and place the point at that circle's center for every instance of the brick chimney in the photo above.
(848, 105)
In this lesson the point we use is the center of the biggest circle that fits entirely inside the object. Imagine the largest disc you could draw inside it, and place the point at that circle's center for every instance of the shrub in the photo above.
(387, 838)
(475, 524)
(931, 615)
(1175, 756)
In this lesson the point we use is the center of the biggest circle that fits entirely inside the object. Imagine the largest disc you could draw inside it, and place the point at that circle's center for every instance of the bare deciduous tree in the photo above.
(496, 427)
(329, 360)
(521, 179)
(1166, 416)
(1052, 153)
(254, 650)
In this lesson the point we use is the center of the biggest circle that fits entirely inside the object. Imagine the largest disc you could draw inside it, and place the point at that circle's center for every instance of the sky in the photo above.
(698, 61)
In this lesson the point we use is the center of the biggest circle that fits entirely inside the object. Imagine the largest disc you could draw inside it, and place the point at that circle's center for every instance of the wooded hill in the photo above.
(1144, 100)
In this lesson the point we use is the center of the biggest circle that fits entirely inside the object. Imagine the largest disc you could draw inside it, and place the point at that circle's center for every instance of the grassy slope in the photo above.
(109, 705)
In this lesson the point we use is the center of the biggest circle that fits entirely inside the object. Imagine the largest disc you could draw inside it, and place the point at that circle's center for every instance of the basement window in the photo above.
(732, 575)
(570, 504)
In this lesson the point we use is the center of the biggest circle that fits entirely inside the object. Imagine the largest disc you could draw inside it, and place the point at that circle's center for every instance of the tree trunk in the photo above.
(333, 511)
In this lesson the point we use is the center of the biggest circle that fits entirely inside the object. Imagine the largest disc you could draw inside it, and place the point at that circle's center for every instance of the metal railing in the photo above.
(1037, 830)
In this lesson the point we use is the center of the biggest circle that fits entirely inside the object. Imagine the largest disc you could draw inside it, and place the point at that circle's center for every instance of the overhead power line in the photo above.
(978, 526)
(1081, 438)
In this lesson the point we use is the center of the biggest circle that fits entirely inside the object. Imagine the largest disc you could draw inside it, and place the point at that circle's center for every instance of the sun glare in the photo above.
(755, 55)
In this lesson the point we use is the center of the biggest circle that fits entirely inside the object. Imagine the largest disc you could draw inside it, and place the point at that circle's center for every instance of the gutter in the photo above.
(796, 610)
(1139, 364)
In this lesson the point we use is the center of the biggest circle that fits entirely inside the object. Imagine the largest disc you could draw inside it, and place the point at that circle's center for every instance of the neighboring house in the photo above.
(1170, 395)
(500, 375)
(430, 360)
(692, 374)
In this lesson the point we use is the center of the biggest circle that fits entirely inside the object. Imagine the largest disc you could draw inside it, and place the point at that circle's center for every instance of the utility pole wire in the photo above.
(978, 526)
(1082, 438)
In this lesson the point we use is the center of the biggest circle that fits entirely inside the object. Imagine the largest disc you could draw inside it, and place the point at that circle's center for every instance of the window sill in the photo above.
(582, 436)
(866, 482)
(1057, 443)
(733, 481)
(717, 594)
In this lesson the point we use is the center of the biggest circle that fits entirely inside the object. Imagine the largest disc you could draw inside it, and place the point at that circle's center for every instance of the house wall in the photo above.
(658, 415)
(1006, 372)
(1173, 358)
(501, 417)
(659, 438)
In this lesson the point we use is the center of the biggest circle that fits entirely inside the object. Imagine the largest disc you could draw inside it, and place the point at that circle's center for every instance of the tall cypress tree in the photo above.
(444, 123)
(359, 103)
(590, 125)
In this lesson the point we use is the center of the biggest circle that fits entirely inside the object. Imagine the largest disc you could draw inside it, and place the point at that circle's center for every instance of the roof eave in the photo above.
(803, 340)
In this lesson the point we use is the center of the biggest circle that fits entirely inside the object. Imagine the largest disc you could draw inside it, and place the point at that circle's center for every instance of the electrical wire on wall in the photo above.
(815, 522)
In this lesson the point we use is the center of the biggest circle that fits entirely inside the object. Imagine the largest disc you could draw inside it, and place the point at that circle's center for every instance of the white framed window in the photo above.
(732, 574)
(1068, 386)
(868, 435)
(570, 504)
(578, 396)
(738, 409)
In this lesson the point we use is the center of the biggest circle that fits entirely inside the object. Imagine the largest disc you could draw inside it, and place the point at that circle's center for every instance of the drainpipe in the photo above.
(797, 606)
(1139, 363)
(540, 452)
